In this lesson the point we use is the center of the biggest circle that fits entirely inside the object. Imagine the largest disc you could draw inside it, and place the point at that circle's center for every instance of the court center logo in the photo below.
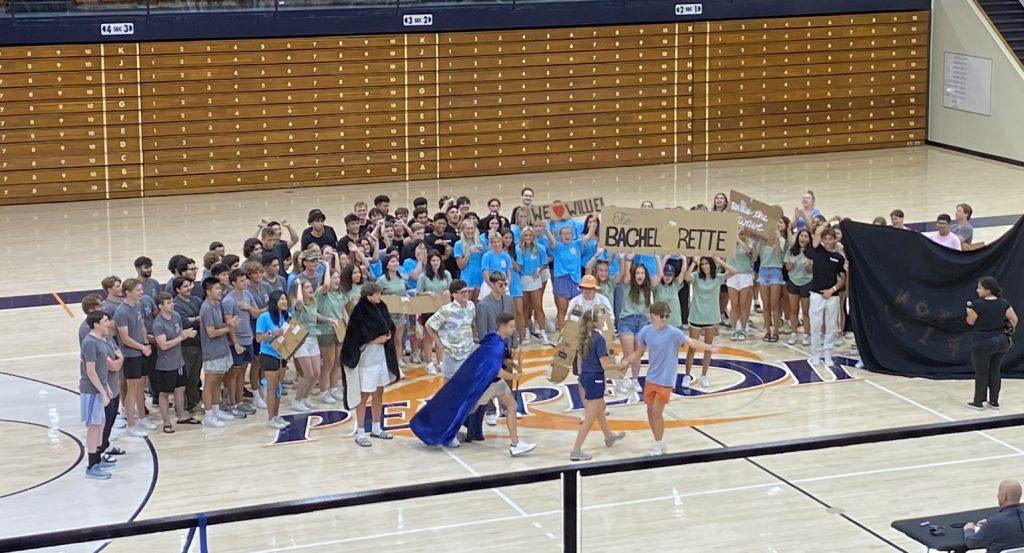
(544, 405)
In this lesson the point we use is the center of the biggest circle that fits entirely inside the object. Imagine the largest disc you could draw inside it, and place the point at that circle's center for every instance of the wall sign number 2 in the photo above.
(109, 29)
(689, 9)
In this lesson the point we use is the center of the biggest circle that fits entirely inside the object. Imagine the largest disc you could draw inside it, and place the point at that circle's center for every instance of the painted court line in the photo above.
(40, 356)
(496, 491)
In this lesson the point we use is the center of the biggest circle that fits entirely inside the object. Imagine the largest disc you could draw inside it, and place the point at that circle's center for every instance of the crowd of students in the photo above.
(203, 342)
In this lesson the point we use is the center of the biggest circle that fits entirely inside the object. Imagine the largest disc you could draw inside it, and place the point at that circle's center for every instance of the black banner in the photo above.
(908, 299)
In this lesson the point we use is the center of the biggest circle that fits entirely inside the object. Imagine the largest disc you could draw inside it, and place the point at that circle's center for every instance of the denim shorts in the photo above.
(565, 287)
(630, 324)
(770, 276)
(593, 385)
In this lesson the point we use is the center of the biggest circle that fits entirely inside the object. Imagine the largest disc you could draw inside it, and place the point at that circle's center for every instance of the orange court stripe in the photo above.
(64, 305)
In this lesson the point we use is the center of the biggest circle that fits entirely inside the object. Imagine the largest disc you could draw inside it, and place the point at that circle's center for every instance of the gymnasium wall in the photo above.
(958, 26)
(96, 121)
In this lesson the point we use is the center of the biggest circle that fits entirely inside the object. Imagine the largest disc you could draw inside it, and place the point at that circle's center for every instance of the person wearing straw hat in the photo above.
(587, 300)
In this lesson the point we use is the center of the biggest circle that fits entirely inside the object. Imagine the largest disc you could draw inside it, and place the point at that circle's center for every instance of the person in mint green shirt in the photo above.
(434, 280)
(667, 290)
(393, 283)
(741, 286)
(798, 286)
(330, 304)
(770, 253)
(706, 277)
(307, 356)
(637, 297)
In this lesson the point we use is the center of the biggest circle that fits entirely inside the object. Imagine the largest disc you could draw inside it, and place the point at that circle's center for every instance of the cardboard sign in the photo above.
(294, 334)
(668, 231)
(414, 305)
(757, 217)
(340, 328)
(562, 210)
(564, 360)
(972, 247)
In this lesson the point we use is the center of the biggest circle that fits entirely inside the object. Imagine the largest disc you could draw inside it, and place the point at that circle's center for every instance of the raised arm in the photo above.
(688, 272)
(293, 237)
(729, 270)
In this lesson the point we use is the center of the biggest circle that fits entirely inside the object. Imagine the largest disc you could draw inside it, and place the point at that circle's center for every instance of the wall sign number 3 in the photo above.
(108, 29)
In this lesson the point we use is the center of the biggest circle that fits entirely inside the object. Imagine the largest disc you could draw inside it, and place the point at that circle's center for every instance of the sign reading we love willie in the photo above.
(563, 210)
(668, 231)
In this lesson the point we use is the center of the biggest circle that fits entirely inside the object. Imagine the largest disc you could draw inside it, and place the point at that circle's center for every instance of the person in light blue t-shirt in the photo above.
(533, 259)
(567, 253)
(469, 253)
(662, 342)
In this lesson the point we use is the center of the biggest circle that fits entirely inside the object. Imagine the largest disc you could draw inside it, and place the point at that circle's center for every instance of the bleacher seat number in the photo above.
(107, 29)
(689, 9)
(418, 20)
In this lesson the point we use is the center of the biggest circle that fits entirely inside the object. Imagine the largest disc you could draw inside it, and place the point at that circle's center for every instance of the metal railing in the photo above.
(569, 475)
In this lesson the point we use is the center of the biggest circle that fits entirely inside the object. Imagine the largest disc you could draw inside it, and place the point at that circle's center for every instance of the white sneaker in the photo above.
(415, 358)
(280, 420)
(257, 402)
(813, 361)
(337, 394)
(147, 424)
(520, 448)
(859, 365)
(308, 402)
(805, 341)
(119, 422)
(657, 450)
(277, 423)
(300, 407)
(687, 380)
(328, 398)
(431, 368)
(136, 432)
(212, 421)
(828, 361)
(492, 420)
(792, 339)
(454, 443)
(705, 382)
(637, 388)
(544, 338)
(222, 415)
(622, 386)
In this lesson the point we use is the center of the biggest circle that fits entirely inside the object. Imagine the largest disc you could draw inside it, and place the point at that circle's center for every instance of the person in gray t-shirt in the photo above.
(214, 332)
(130, 320)
(97, 358)
(169, 376)
(487, 311)
(240, 303)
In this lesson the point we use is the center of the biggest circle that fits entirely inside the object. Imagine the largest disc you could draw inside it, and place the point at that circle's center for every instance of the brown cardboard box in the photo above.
(340, 328)
(414, 305)
(564, 359)
(294, 334)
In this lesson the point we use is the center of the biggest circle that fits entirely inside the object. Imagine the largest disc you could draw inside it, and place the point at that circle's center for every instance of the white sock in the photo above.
(375, 428)
(660, 444)
(361, 431)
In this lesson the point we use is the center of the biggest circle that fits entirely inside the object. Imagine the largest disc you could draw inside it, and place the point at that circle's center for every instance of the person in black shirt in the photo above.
(493, 207)
(826, 280)
(988, 316)
(442, 239)
(318, 233)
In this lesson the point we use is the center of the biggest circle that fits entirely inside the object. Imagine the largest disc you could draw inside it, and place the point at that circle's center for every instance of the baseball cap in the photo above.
(316, 215)
(589, 281)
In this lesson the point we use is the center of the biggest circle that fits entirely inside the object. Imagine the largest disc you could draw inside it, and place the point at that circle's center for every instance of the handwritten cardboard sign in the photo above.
(758, 218)
(414, 305)
(563, 210)
(289, 341)
(668, 231)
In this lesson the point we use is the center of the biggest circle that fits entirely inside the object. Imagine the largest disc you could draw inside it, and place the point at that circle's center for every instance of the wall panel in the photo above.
(136, 119)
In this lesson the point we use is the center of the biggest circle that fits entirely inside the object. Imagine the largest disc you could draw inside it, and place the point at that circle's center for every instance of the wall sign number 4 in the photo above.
(689, 9)
(109, 29)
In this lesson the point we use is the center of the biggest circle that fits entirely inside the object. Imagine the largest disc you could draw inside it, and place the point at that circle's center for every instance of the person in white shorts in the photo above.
(372, 364)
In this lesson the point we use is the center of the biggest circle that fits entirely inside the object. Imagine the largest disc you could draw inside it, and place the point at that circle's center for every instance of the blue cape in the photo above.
(440, 419)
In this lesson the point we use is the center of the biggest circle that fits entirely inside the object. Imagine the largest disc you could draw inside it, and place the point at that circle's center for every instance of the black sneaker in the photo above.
(993, 405)
(975, 406)
(246, 392)
(115, 451)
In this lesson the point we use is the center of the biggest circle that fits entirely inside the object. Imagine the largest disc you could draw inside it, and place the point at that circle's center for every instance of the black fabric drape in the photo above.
(908, 298)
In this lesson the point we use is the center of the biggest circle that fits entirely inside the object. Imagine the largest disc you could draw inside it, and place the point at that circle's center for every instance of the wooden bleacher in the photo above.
(124, 120)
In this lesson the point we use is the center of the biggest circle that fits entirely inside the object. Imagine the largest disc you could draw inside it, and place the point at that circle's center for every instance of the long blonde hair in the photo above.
(588, 324)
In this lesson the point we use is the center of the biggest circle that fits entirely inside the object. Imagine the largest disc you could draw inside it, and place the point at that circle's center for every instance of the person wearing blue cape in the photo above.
(480, 379)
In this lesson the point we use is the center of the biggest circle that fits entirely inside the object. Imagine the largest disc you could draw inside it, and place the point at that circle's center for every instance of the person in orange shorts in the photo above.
(662, 341)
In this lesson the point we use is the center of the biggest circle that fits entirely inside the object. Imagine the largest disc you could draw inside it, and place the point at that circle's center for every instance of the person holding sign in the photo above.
(307, 356)
(592, 358)
(769, 252)
(706, 279)
(636, 300)
(741, 287)
(269, 326)
(666, 289)
(663, 342)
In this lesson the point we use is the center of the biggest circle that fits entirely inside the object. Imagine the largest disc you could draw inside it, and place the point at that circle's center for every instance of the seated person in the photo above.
(1003, 530)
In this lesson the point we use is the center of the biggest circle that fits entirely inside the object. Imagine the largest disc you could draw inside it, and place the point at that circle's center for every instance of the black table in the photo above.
(953, 540)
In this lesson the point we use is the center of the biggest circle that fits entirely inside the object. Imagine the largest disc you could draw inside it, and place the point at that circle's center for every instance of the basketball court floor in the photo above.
(832, 500)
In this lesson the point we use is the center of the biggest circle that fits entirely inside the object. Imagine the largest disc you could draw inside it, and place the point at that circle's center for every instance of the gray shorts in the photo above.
(217, 366)
(450, 366)
(496, 389)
